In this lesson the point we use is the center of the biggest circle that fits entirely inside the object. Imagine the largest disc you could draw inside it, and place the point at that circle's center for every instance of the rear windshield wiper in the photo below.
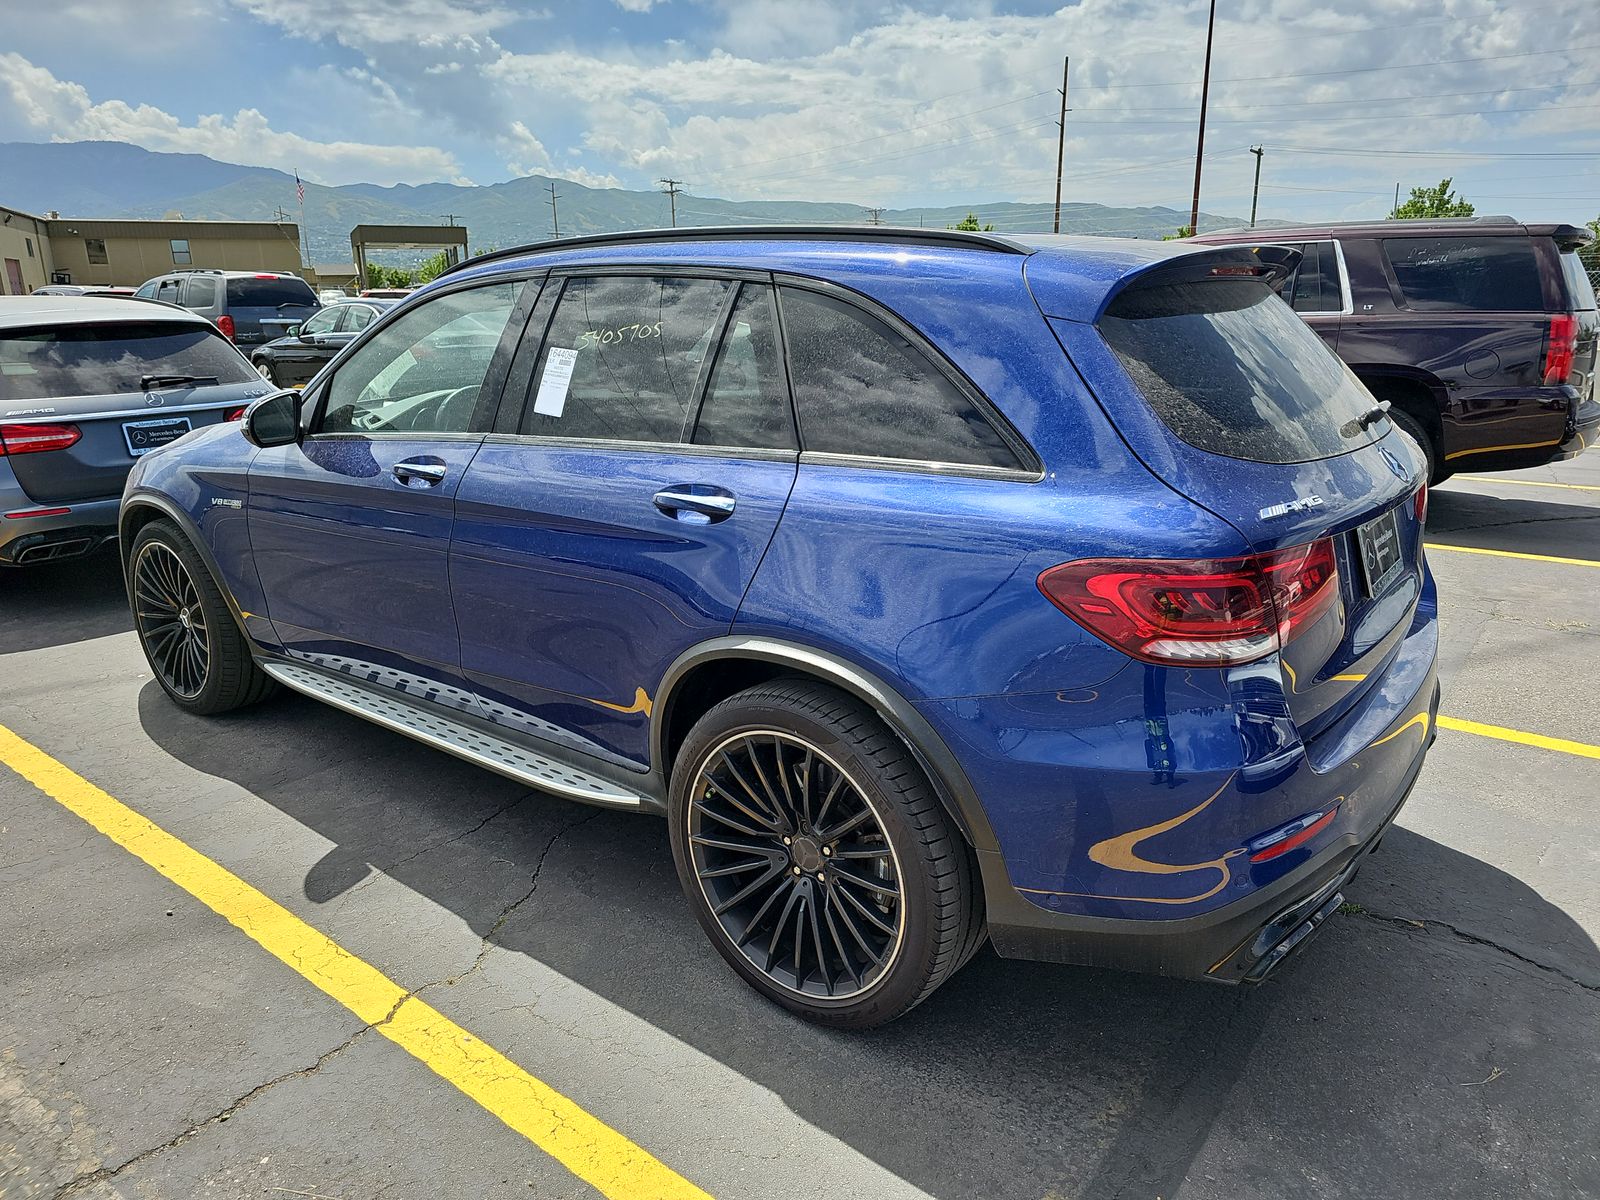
(146, 382)
(1366, 420)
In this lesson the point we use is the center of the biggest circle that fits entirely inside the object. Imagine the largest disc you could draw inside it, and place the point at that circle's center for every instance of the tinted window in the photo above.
(269, 293)
(423, 373)
(1580, 288)
(322, 321)
(1232, 370)
(202, 292)
(169, 290)
(747, 402)
(94, 360)
(1492, 274)
(622, 358)
(1316, 282)
(862, 388)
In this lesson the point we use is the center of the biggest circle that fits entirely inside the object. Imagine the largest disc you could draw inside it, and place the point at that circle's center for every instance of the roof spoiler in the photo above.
(1571, 237)
(1268, 263)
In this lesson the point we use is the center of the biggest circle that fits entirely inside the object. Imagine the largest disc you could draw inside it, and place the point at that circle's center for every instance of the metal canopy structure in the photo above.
(451, 238)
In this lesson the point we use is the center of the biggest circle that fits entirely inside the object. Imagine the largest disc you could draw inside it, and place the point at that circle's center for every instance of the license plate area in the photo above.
(1378, 547)
(145, 436)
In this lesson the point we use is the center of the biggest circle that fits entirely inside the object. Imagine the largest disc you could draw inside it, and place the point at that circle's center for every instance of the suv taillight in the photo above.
(1189, 612)
(225, 323)
(1560, 346)
(36, 439)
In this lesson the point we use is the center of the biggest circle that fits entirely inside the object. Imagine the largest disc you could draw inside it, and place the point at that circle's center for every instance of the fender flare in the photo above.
(186, 525)
(949, 780)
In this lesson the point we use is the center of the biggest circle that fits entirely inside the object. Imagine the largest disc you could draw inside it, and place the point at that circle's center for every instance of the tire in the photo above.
(1412, 428)
(187, 633)
(773, 792)
(267, 371)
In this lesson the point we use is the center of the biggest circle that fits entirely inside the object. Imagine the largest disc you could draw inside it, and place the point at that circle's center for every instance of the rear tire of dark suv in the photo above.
(1412, 428)
(818, 858)
(187, 632)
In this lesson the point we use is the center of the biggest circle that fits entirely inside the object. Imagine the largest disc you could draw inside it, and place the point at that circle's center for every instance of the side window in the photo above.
(862, 388)
(1486, 274)
(147, 291)
(622, 357)
(423, 373)
(322, 321)
(168, 290)
(202, 292)
(356, 318)
(747, 402)
(1316, 283)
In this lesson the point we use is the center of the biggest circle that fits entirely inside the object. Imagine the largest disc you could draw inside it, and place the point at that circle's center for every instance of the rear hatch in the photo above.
(265, 307)
(1580, 302)
(1230, 399)
(78, 403)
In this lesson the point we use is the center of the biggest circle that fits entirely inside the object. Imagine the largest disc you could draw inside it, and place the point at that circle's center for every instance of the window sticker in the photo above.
(553, 384)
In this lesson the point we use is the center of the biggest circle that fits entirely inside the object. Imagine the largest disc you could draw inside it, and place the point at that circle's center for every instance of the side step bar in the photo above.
(455, 737)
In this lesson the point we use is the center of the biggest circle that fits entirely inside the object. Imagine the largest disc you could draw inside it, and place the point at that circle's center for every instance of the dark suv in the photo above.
(1479, 331)
(250, 307)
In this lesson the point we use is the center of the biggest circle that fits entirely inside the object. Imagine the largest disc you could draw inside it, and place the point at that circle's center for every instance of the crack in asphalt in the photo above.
(1412, 925)
(379, 872)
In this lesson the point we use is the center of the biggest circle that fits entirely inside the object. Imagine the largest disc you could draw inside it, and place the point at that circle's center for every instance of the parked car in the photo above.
(1066, 592)
(386, 293)
(1480, 332)
(305, 349)
(332, 295)
(88, 386)
(80, 289)
(250, 307)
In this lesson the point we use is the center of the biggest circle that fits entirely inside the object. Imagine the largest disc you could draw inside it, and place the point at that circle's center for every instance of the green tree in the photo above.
(432, 267)
(969, 224)
(388, 277)
(1433, 202)
(1184, 231)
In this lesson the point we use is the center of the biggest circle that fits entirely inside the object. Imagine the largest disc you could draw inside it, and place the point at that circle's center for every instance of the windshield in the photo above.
(100, 360)
(1231, 369)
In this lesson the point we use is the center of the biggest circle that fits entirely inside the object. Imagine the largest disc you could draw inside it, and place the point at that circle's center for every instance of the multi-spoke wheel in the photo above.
(818, 857)
(197, 652)
(172, 624)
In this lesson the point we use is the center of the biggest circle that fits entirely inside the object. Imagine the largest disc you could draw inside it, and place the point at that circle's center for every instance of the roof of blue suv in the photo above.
(1072, 277)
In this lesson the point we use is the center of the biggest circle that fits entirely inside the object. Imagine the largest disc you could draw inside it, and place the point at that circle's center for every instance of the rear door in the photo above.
(263, 307)
(78, 403)
(1231, 400)
(1317, 290)
(351, 527)
(618, 520)
(296, 359)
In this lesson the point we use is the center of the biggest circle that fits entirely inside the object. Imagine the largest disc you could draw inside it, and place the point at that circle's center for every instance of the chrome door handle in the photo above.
(688, 506)
(419, 474)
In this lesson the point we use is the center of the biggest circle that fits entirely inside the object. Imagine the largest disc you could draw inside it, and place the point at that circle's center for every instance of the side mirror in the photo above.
(273, 420)
(292, 331)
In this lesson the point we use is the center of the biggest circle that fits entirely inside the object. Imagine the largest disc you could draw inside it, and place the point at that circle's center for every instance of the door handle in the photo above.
(419, 473)
(701, 507)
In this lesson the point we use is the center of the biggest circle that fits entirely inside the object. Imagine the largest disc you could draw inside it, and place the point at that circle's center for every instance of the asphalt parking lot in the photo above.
(1441, 1037)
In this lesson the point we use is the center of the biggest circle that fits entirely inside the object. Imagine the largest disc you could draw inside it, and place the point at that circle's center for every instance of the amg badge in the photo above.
(1303, 504)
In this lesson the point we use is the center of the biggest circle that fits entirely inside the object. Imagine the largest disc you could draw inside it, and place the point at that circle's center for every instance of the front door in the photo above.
(14, 274)
(351, 528)
(620, 520)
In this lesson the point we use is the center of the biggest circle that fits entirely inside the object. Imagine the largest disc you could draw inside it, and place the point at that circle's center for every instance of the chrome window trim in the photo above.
(1348, 307)
(920, 467)
(559, 443)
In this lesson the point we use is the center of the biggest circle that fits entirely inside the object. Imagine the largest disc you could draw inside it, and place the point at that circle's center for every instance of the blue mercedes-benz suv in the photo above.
(1065, 592)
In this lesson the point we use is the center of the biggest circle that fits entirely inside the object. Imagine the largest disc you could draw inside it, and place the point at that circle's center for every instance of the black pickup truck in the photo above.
(1480, 332)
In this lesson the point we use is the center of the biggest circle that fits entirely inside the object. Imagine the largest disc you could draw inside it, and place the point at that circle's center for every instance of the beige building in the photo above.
(25, 261)
(123, 253)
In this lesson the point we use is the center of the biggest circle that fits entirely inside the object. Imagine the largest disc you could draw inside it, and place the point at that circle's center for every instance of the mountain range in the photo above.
(116, 179)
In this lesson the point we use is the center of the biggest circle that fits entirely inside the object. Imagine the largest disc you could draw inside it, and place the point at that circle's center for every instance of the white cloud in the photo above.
(64, 111)
(637, 6)
(361, 24)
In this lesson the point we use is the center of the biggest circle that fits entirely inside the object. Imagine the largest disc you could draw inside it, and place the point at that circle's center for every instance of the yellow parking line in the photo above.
(1549, 558)
(1582, 749)
(1576, 487)
(582, 1143)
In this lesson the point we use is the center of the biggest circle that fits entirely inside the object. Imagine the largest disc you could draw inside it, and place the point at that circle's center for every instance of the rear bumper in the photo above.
(1238, 943)
(1514, 446)
(27, 539)
(1583, 430)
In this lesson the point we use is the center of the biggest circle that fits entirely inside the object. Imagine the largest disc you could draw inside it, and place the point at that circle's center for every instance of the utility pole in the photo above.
(672, 187)
(874, 216)
(1396, 207)
(1200, 144)
(555, 218)
(451, 217)
(1061, 141)
(1255, 192)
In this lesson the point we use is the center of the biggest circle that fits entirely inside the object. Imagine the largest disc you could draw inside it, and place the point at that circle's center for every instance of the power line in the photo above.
(874, 216)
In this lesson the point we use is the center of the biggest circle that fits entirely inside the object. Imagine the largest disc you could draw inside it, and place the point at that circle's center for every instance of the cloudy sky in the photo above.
(916, 102)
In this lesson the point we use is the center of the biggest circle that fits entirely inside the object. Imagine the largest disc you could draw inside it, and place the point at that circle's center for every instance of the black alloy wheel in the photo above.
(795, 865)
(171, 620)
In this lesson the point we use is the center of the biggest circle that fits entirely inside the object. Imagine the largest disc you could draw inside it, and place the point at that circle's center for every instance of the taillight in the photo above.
(1216, 611)
(236, 414)
(1560, 347)
(225, 323)
(1421, 503)
(36, 439)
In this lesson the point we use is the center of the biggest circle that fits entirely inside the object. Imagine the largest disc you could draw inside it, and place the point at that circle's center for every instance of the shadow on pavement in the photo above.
(57, 604)
(1395, 1057)
(1527, 526)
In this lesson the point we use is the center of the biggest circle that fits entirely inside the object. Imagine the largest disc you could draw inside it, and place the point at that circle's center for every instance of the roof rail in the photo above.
(892, 234)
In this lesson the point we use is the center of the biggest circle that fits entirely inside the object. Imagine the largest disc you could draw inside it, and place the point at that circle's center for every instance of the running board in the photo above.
(454, 737)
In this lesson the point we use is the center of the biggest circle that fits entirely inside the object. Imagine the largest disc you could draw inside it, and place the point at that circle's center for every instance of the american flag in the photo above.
(299, 188)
